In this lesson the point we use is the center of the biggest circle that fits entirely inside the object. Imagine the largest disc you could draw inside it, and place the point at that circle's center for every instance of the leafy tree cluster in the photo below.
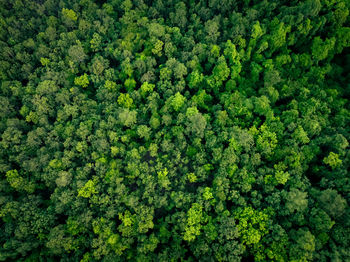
(174, 130)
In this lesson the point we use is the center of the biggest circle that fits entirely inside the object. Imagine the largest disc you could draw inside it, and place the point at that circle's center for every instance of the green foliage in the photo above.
(174, 130)
(95, 42)
(163, 179)
(125, 100)
(220, 73)
(281, 177)
(207, 194)
(320, 49)
(82, 80)
(18, 183)
(191, 177)
(110, 85)
(127, 117)
(158, 47)
(252, 224)
(126, 218)
(69, 14)
(178, 101)
(333, 203)
(88, 189)
(256, 30)
(266, 141)
(304, 245)
(332, 160)
(296, 200)
(193, 225)
(144, 132)
(44, 61)
(146, 88)
(195, 79)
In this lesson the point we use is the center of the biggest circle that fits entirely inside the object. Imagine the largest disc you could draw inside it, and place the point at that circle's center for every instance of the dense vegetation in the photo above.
(174, 130)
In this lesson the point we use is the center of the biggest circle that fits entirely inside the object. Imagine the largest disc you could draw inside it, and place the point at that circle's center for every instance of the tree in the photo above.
(88, 189)
(178, 101)
(296, 200)
(76, 53)
(18, 182)
(321, 48)
(212, 31)
(127, 117)
(125, 100)
(82, 80)
(144, 132)
(193, 226)
(220, 73)
(69, 17)
(304, 244)
(266, 141)
(333, 203)
(195, 79)
(196, 124)
(257, 32)
(332, 160)
(252, 224)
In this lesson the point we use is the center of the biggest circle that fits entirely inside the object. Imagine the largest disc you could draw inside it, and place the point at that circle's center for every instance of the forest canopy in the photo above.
(174, 130)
